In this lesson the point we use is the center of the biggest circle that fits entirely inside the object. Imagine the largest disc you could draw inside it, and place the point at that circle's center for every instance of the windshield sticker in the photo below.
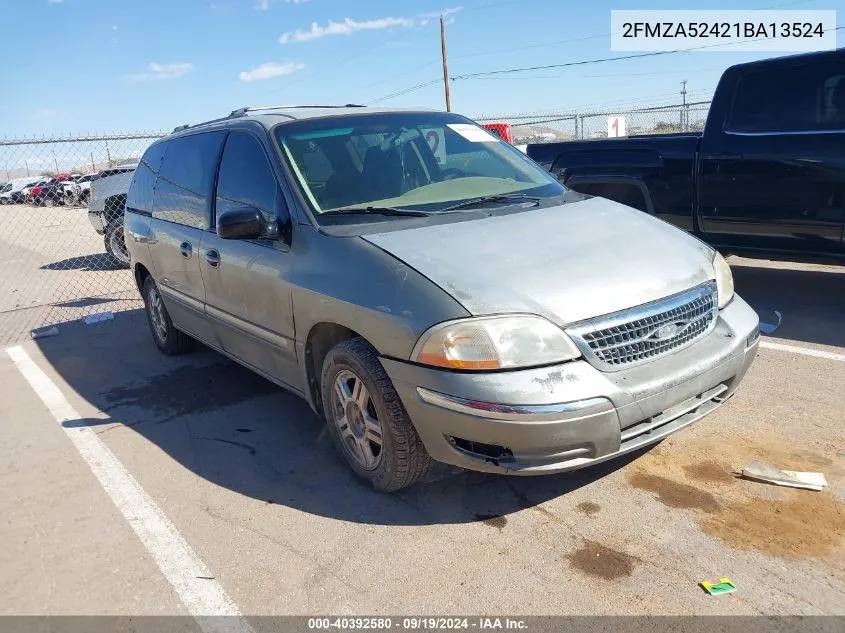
(473, 133)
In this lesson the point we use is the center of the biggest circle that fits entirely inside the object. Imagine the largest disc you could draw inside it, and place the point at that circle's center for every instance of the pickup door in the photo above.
(772, 160)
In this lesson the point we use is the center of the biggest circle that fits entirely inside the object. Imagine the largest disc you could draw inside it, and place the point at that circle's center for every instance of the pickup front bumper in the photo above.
(568, 416)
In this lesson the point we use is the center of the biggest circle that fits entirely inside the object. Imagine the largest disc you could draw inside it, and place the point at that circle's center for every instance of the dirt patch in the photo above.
(588, 507)
(675, 494)
(805, 525)
(493, 520)
(710, 471)
(599, 561)
(698, 475)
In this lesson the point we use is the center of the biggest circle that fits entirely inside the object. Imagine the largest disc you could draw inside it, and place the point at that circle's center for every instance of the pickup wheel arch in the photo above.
(582, 184)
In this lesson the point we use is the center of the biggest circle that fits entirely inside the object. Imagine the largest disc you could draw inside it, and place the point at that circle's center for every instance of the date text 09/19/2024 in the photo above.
(427, 623)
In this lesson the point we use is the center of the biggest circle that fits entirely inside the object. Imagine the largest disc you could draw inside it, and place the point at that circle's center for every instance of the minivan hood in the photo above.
(567, 263)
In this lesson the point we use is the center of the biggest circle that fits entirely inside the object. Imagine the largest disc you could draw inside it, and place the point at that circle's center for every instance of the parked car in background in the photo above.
(55, 192)
(766, 177)
(462, 307)
(83, 183)
(106, 203)
(14, 194)
(26, 192)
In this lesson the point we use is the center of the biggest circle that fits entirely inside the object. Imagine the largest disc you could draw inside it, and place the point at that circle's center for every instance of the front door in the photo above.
(774, 178)
(248, 295)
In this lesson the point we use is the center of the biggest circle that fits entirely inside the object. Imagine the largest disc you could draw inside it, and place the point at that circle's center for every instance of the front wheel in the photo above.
(116, 245)
(167, 338)
(366, 419)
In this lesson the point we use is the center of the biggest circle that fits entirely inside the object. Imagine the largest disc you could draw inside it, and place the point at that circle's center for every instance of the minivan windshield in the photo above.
(417, 161)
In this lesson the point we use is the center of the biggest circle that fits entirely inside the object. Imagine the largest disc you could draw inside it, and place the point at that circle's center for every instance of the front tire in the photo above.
(167, 338)
(366, 419)
(115, 244)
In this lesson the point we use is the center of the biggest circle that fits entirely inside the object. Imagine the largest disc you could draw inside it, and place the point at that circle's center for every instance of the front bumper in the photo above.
(568, 416)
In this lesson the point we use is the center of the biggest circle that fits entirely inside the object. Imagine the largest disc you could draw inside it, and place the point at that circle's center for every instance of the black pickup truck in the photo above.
(765, 178)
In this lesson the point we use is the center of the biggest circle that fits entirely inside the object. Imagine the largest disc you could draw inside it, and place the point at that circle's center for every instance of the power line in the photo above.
(584, 62)
(405, 91)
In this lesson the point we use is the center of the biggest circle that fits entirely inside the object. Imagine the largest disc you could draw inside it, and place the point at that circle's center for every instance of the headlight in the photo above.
(724, 280)
(494, 343)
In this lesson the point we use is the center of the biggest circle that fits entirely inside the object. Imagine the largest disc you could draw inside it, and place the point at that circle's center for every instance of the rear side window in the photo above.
(246, 179)
(182, 191)
(800, 98)
(140, 196)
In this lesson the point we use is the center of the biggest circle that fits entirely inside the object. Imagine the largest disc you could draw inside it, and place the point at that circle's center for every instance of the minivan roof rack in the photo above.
(248, 109)
(240, 112)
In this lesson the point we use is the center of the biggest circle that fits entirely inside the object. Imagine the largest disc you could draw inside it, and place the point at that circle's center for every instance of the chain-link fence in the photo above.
(58, 262)
(550, 127)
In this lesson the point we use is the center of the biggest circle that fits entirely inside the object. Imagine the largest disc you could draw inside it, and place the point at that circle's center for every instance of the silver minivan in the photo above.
(430, 291)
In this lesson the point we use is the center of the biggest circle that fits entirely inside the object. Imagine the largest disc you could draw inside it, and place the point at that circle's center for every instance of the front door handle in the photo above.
(213, 258)
(186, 249)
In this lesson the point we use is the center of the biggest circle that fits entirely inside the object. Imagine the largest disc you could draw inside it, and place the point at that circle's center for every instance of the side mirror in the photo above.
(243, 223)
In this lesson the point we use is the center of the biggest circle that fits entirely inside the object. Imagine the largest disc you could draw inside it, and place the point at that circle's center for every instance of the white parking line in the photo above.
(806, 351)
(203, 596)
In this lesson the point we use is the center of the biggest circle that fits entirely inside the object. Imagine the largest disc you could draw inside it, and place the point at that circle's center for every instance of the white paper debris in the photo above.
(760, 471)
(97, 317)
(473, 133)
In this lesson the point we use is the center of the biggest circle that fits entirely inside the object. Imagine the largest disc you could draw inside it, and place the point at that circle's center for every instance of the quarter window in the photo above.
(184, 182)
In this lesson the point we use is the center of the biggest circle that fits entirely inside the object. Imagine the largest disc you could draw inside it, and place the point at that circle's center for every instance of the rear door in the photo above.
(773, 178)
(181, 211)
(247, 288)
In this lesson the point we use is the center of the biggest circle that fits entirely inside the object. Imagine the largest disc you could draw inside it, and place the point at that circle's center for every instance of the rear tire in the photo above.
(366, 420)
(115, 244)
(167, 338)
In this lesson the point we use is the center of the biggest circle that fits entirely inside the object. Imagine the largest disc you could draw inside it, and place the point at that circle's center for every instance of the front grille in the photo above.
(644, 333)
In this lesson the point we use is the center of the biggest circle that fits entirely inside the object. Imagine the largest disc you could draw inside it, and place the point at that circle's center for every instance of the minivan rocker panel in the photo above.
(463, 307)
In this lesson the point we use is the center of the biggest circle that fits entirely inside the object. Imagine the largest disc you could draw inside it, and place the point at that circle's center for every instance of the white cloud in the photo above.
(425, 18)
(343, 28)
(114, 27)
(55, 1)
(163, 71)
(263, 5)
(270, 70)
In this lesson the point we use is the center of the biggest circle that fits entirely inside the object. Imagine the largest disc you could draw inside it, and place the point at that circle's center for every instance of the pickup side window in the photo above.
(182, 191)
(246, 179)
(797, 98)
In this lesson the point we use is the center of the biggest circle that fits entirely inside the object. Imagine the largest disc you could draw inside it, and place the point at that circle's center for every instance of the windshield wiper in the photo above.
(376, 211)
(466, 204)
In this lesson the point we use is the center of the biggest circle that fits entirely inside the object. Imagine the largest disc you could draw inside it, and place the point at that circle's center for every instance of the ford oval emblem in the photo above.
(666, 332)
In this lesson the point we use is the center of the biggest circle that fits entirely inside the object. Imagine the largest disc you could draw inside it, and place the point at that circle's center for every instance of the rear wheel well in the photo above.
(114, 207)
(321, 338)
(141, 274)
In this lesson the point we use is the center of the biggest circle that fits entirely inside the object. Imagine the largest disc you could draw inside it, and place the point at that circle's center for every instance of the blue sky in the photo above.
(97, 66)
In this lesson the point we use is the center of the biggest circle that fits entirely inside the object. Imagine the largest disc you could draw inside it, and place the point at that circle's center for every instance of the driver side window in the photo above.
(246, 179)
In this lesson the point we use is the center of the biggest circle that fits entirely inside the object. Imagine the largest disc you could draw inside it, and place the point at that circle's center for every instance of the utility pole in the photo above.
(108, 153)
(56, 161)
(26, 162)
(684, 122)
(93, 169)
(445, 67)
